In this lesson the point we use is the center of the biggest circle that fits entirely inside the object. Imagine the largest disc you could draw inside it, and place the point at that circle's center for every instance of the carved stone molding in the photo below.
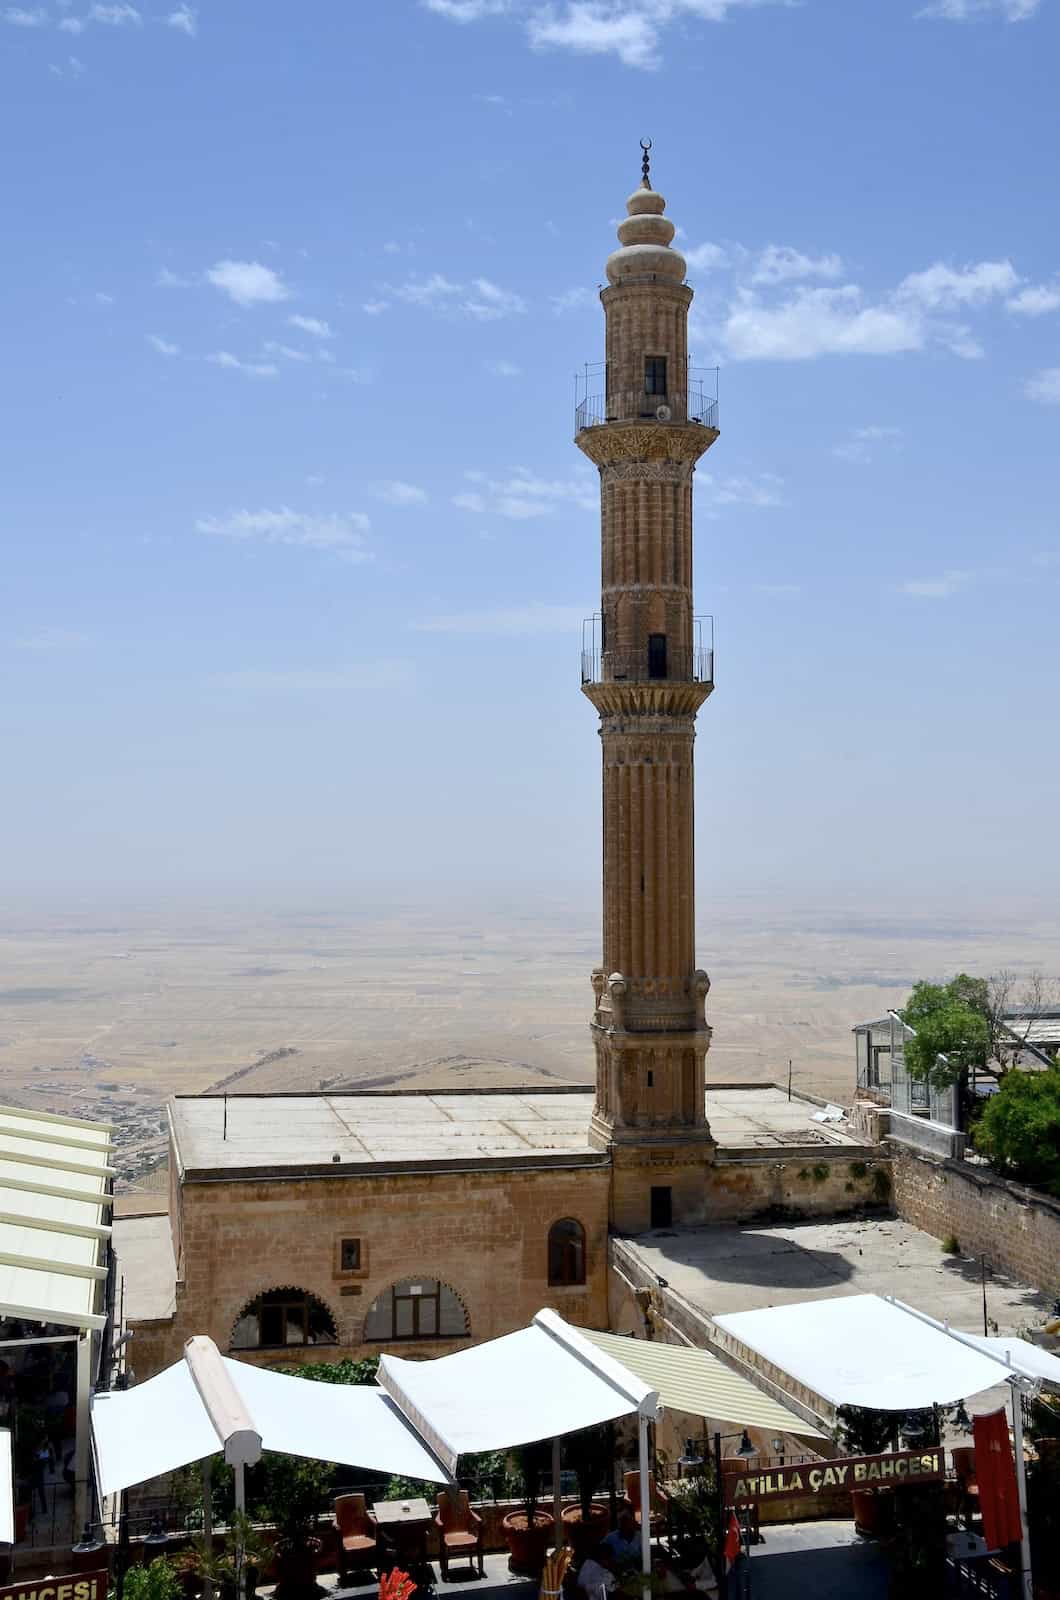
(646, 472)
(647, 699)
(645, 441)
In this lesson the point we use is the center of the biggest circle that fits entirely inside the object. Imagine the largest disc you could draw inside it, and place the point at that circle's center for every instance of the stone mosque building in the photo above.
(342, 1224)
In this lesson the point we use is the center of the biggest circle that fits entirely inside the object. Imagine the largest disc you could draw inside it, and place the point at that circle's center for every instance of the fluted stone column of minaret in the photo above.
(649, 1025)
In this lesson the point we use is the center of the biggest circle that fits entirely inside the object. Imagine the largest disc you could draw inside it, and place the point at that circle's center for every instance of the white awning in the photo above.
(7, 1490)
(861, 1350)
(695, 1381)
(541, 1382)
(1028, 1359)
(54, 1218)
(164, 1423)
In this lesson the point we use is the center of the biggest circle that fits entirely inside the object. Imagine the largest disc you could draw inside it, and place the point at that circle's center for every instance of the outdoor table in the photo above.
(404, 1523)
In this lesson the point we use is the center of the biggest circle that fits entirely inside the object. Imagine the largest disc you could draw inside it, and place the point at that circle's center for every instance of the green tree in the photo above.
(1019, 1130)
(953, 1029)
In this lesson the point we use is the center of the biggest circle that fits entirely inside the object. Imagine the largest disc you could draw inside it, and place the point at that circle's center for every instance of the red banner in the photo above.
(995, 1476)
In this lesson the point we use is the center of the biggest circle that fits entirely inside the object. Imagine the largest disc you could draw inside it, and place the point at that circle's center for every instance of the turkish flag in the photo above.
(732, 1538)
(995, 1475)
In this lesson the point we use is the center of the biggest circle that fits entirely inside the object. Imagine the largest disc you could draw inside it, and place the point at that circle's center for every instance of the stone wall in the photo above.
(1016, 1229)
(484, 1233)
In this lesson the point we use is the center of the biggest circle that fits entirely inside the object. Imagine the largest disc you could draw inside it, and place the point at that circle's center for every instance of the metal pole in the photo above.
(81, 1427)
(1026, 1581)
(241, 1509)
(789, 1077)
(719, 1489)
(207, 1525)
(645, 1501)
(557, 1497)
(982, 1279)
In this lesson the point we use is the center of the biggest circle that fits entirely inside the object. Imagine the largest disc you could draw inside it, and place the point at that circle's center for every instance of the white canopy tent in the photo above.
(861, 1350)
(539, 1383)
(206, 1403)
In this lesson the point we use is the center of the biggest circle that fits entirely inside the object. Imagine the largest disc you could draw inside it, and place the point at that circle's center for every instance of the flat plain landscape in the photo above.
(106, 1016)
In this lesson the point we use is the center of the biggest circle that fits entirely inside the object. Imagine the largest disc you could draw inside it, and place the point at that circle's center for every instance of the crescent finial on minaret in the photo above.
(645, 163)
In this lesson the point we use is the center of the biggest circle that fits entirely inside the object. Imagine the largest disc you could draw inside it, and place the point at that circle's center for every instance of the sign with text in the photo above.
(811, 1478)
(79, 1586)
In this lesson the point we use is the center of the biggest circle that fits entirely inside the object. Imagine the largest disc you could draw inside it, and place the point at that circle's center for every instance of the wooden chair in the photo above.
(459, 1530)
(358, 1534)
(963, 1458)
(658, 1501)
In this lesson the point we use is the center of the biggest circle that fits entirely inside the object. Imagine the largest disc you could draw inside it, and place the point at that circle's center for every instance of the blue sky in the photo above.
(296, 542)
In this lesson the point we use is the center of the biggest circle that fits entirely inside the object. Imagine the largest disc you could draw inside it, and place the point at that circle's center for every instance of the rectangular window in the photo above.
(656, 655)
(662, 1206)
(655, 375)
(350, 1255)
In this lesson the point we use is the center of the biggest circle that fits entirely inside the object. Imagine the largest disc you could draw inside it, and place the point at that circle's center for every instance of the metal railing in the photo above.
(693, 404)
(692, 663)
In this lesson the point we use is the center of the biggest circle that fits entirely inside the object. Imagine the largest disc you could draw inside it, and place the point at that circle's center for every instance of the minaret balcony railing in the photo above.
(693, 663)
(693, 401)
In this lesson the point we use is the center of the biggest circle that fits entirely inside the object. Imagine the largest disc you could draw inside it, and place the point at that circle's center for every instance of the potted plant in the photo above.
(589, 1453)
(864, 1432)
(242, 1546)
(528, 1532)
(159, 1580)
(295, 1492)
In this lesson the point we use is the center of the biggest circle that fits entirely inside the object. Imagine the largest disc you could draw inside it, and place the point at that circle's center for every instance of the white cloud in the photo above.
(467, 10)
(288, 352)
(741, 491)
(855, 447)
(1035, 300)
(72, 25)
(943, 288)
(591, 28)
(340, 533)
(817, 322)
(253, 369)
(525, 496)
(393, 674)
(781, 264)
(702, 257)
(163, 346)
(25, 17)
(1045, 387)
(504, 369)
(375, 308)
(574, 299)
(397, 493)
(115, 16)
(980, 10)
(49, 639)
(481, 299)
(73, 68)
(936, 588)
(185, 20)
(311, 325)
(248, 283)
(165, 279)
(527, 619)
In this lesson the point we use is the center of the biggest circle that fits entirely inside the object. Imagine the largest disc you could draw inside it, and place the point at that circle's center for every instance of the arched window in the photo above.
(566, 1252)
(282, 1317)
(416, 1308)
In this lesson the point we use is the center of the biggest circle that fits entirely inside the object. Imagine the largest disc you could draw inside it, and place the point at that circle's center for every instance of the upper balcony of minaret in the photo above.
(683, 401)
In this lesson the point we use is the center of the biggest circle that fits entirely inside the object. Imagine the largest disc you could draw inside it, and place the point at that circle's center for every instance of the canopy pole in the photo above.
(207, 1525)
(241, 1511)
(1026, 1581)
(82, 1426)
(557, 1496)
(645, 1499)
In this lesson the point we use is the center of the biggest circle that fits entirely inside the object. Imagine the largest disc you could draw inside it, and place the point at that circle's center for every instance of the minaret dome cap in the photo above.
(645, 236)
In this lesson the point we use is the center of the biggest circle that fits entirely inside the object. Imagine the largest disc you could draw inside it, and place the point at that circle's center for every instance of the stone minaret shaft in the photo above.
(647, 677)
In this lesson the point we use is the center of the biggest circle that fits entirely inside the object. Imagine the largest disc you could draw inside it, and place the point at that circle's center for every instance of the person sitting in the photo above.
(596, 1577)
(623, 1543)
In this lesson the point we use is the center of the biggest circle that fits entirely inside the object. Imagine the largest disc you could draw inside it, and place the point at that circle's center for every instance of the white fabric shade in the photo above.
(162, 1424)
(861, 1350)
(1026, 1358)
(539, 1383)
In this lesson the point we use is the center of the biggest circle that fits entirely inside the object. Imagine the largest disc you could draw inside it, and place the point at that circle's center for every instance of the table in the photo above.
(404, 1524)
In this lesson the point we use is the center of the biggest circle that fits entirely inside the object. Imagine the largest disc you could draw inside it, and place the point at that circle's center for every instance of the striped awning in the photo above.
(696, 1382)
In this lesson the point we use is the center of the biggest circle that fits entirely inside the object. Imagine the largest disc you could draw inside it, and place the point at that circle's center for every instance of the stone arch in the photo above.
(283, 1318)
(416, 1308)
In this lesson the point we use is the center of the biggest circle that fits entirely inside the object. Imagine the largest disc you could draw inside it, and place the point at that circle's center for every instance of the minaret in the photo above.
(647, 672)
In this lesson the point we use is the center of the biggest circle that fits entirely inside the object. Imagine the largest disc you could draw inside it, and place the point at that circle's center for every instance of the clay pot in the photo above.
(873, 1511)
(584, 1537)
(527, 1546)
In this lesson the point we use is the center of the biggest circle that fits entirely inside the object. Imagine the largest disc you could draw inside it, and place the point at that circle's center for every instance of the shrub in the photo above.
(159, 1581)
(951, 1245)
(1019, 1130)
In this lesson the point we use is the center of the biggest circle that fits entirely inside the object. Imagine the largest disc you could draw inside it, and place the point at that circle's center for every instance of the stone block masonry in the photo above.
(1016, 1229)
